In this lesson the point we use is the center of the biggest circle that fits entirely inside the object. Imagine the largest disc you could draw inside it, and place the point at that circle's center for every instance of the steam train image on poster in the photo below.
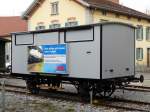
(96, 57)
(35, 55)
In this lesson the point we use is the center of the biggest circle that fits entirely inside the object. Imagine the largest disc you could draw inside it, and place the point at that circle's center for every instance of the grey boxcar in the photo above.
(99, 57)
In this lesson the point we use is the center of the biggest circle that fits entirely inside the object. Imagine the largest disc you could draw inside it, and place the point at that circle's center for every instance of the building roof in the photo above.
(96, 4)
(32, 8)
(115, 1)
(11, 24)
(117, 8)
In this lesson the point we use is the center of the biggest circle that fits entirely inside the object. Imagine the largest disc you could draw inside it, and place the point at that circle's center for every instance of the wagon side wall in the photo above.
(83, 50)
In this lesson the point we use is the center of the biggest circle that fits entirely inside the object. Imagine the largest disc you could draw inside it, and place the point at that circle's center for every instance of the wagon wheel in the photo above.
(106, 93)
(31, 86)
(108, 90)
(84, 89)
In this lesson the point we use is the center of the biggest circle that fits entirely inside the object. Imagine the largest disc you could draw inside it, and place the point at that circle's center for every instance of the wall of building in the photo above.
(67, 9)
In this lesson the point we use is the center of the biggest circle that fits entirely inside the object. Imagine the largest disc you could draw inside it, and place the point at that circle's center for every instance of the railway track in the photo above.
(9, 76)
(126, 108)
(13, 88)
(68, 96)
(141, 87)
(137, 88)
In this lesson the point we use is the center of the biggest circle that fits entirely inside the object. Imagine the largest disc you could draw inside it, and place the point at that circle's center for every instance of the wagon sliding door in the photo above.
(118, 51)
(83, 52)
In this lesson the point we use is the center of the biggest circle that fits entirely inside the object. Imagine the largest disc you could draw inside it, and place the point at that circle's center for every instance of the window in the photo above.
(139, 33)
(103, 20)
(54, 8)
(83, 35)
(148, 33)
(117, 15)
(104, 13)
(53, 26)
(70, 24)
(139, 53)
(40, 27)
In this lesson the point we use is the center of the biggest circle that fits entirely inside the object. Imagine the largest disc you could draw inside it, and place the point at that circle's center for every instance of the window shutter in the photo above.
(139, 32)
(142, 53)
(66, 24)
(148, 33)
(142, 30)
(36, 28)
(43, 28)
(147, 38)
(50, 26)
(59, 25)
(54, 8)
(139, 53)
(76, 23)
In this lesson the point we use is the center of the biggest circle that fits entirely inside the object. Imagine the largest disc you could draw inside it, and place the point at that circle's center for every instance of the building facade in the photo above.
(49, 14)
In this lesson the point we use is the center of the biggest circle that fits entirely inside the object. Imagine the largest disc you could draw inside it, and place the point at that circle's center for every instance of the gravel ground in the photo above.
(22, 103)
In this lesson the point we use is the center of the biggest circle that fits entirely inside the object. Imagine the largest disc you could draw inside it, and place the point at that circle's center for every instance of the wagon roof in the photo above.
(74, 28)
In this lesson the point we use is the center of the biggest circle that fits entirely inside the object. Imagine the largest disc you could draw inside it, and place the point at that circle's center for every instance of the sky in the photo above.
(17, 7)
(140, 5)
(13, 7)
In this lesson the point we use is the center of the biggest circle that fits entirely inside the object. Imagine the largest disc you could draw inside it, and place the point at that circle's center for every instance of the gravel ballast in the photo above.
(22, 103)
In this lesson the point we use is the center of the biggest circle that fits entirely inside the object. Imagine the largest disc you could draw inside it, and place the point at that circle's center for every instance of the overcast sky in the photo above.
(140, 5)
(17, 7)
(13, 7)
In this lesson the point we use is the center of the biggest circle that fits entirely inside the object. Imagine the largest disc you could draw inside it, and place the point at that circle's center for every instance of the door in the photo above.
(83, 53)
(148, 57)
(118, 51)
(2, 55)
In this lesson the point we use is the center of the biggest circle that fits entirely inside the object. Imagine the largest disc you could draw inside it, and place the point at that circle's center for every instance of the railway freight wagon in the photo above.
(97, 57)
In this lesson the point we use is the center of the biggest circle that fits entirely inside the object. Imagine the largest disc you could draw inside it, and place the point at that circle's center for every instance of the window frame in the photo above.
(70, 23)
(55, 8)
(141, 29)
(139, 57)
(52, 26)
(90, 28)
(103, 20)
(39, 27)
(148, 33)
(104, 12)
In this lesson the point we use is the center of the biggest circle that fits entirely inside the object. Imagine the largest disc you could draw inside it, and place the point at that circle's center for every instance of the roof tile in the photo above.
(12, 24)
(117, 8)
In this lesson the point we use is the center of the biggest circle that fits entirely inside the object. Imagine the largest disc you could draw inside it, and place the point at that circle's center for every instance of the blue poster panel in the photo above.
(47, 59)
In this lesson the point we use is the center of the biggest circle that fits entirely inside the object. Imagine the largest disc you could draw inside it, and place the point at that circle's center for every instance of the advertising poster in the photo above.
(47, 59)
